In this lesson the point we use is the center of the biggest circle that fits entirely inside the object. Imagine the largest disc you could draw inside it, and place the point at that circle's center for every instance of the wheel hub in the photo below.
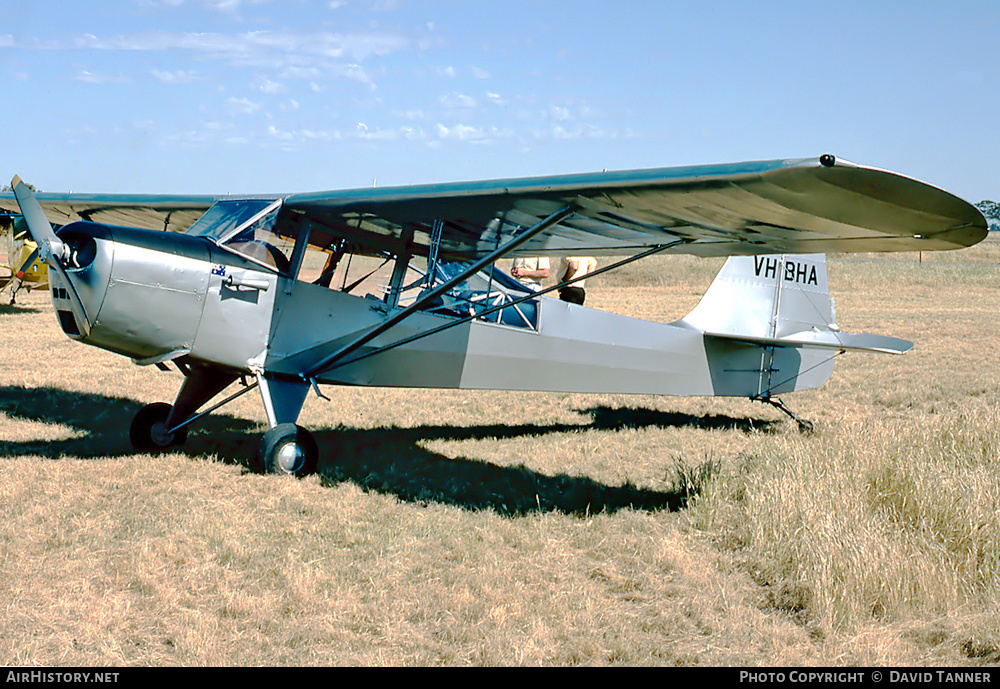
(290, 458)
(159, 435)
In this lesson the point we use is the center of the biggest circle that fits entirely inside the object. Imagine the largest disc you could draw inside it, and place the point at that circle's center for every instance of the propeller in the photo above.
(51, 249)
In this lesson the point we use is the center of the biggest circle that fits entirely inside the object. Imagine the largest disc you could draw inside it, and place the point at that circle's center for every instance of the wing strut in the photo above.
(430, 295)
(432, 259)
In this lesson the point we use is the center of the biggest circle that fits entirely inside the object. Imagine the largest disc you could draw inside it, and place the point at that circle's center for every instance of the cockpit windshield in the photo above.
(226, 216)
(247, 227)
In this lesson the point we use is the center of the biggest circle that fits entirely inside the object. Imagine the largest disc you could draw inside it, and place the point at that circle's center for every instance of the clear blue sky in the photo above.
(253, 96)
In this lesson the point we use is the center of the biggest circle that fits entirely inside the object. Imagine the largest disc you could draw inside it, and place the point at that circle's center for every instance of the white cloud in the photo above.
(243, 105)
(559, 114)
(354, 72)
(265, 85)
(225, 6)
(87, 77)
(458, 100)
(299, 73)
(177, 77)
(364, 132)
(461, 132)
(284, 47)
(582, 132)
(280, 135)
(415, 114)
(314, 135)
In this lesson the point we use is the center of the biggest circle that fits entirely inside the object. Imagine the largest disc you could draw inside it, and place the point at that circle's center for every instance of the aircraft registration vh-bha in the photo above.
(276, 292)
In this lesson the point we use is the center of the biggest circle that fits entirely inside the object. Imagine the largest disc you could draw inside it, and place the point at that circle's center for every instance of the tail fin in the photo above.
(767, 321)
(766, 297)
(779, 300)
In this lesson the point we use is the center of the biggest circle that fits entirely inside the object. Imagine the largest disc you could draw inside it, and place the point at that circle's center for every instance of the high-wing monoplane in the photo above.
(399, 286)
(26, 271)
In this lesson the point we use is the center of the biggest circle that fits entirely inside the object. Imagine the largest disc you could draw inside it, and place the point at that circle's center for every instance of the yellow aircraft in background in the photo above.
(26, 270)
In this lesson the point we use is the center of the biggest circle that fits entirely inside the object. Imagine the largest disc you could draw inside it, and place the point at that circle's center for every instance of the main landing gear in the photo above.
(285, 449)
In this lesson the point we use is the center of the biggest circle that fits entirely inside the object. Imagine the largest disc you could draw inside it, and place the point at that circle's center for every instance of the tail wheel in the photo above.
(287, 449)
(148, 432)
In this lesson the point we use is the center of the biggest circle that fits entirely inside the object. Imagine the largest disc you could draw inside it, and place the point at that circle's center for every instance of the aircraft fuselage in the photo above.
(156, 296)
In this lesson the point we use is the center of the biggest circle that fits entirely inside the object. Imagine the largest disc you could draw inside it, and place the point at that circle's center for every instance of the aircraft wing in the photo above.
(816, 205)
(813, 205)
(147, 211)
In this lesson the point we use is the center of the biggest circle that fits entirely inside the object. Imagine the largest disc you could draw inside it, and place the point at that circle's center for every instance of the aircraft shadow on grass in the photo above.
(8, 310)
(384, 460)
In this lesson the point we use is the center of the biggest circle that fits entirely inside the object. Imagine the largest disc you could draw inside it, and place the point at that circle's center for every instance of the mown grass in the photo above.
(504, 528)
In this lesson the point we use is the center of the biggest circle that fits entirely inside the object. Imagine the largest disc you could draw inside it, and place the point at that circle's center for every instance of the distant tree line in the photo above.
(990, 209)
(7, 187)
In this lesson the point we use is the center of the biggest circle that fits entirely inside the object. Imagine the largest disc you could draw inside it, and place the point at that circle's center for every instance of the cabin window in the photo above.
(488, 297)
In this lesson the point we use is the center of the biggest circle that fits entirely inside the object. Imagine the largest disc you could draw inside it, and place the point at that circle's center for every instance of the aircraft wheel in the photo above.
(148, 432)
(287, 449)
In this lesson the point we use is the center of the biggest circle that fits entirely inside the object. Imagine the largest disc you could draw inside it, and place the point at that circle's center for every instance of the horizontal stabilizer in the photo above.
(829, 339)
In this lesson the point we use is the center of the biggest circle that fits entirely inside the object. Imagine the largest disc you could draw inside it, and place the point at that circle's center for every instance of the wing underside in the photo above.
(149, 212)
(815, 205)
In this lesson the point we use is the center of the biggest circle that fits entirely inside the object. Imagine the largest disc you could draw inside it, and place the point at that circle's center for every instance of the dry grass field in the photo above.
(502, 528)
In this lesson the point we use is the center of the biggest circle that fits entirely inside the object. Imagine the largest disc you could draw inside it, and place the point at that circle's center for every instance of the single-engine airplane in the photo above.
(26, 271)
(281, 293)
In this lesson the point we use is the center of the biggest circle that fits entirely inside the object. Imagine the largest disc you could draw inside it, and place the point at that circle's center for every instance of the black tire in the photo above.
(148, 430)
(287, 449)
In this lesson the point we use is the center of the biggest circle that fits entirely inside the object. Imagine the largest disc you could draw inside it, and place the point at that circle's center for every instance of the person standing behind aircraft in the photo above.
(573, 267)
(531, 271)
